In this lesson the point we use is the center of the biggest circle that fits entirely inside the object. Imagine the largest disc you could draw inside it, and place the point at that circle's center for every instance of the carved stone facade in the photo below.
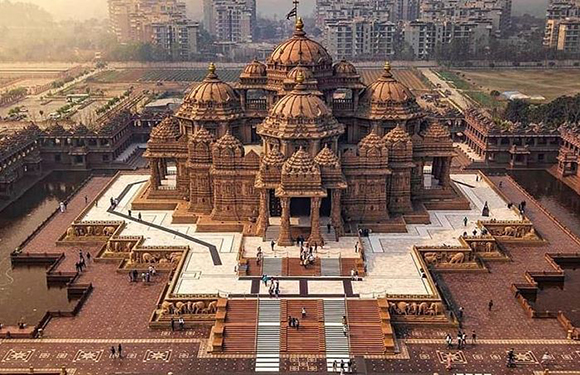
(299, 136)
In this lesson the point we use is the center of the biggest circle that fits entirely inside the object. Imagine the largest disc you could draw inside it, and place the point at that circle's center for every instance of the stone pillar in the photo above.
(315, 236)
(285, 239)
(155, 177)
(445, 178)
(417, 179)
(335, 216)
(264, 214)
(355, 94)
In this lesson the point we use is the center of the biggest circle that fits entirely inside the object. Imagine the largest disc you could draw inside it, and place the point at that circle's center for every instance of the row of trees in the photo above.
(560, 110)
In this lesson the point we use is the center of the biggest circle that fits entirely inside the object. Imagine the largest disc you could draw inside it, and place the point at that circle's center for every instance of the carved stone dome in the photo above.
(344, 68)
(397, 135)
(300, 163)
(168, 129)
(306, 73)
(255, 69)
(212, 100)
(202, 135)
(372, 140)
(299, 49)
(213, 89)
(327, 158)
(274, 157)
(436, 130)
(388, 99)
(228, 142)
(301, 114)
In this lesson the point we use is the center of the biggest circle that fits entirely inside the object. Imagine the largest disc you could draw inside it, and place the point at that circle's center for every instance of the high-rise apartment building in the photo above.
(360, 37)
(161, 22)
(562, 20)
(230, 20)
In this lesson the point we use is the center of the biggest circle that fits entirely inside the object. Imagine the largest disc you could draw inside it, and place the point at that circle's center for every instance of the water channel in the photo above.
(24, 293)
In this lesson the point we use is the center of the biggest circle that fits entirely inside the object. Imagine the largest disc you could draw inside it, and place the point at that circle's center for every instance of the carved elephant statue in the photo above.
(163, 261)
(71, 233)
(422, 308)
(509, 231)
(412, 308)
(148, 258)
(116, 247)
(175, 257)
(128, 246)
(166, 308)
(212, 307)
(489, 247)
(531, 235)
(436, 308)
(108, 231)
(457, 258)
(97, 231)
(180, 307)
(430, 258)
(402, 307)
(89, 230)
(197, 307)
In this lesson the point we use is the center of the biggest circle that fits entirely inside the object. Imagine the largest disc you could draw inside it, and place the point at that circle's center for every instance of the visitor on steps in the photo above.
(272, 244)
(303, 312)
(328, 226)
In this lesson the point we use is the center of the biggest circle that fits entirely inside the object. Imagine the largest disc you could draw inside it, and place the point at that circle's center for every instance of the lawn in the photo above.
(455, 79)
(550, 83)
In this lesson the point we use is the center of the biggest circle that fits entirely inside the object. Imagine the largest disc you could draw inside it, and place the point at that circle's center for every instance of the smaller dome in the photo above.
(372, 141)
(397, 135)
(202, 135)
(255, 69)
(168, 129)
(228, 141)
(213, 89)
(293, 74)
(387, 88)
(300, 163)
(436, 130)
(327, 158)
(274, 157)
(344, 68)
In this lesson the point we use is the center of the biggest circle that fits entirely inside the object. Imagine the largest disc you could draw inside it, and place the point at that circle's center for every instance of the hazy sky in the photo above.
(83, 9)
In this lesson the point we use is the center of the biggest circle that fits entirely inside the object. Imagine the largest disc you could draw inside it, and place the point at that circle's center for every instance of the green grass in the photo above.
(484, 99)
(455, 79)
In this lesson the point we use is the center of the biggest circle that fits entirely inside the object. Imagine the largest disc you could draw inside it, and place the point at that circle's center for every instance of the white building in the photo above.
(360, 38)
(230, 20)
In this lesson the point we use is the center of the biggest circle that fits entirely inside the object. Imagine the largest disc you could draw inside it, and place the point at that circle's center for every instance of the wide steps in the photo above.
(268, 339)
(239, 329)
(365, 327)
(309, 338)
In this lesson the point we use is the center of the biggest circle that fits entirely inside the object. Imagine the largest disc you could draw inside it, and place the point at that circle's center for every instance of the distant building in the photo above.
(562, 25)
(230, 20)
(360, 37)
(424, 37)
(161, 22)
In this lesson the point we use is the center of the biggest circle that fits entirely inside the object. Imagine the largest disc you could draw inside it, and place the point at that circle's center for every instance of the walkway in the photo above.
(268, 342)
(337, 348)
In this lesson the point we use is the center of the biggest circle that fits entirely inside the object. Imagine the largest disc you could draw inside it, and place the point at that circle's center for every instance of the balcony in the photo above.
(256, 105)
(343, 105)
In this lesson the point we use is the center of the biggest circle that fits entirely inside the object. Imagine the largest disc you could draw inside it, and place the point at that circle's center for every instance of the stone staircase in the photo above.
(337, 347)
(268, 341)
(330, 267)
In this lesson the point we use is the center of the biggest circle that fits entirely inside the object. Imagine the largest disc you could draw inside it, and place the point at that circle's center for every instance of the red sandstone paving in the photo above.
(473, 291)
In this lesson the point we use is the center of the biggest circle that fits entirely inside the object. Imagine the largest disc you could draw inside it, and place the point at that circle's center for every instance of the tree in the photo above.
(494, 93)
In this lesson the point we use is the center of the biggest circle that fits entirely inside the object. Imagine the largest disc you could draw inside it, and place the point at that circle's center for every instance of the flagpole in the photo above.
(295, 2)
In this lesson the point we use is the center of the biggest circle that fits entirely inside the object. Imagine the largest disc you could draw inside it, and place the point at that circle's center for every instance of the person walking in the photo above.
(88, 257)
(334, 366)
(290, 321)
(181, 324)
(113, 353)
(328, 226)
(297, 323)
(490, 305)
(86, 200)
(460, 314)
(120, 351)
(449, 362)
(272, 244)
(172, 324)
(473, 338)
(449, 341)
(303, 312)
(465, 221)
(139, 216)
(129, 212)
(546, 358)
(459, 340)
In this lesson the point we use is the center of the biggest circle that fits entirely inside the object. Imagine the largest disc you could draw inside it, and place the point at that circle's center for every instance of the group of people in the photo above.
(273, 287)
(364, 232)
(344, 366)
(295, 322)
(461, 339)
(306, 256)
(180, 322)
(145, 276)
(117, 352)
(81, 264)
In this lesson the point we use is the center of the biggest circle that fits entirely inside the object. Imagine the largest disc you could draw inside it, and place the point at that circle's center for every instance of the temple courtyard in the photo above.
(256, 336)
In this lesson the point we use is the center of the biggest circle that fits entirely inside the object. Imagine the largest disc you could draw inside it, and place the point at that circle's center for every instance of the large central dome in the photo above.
(300, 50)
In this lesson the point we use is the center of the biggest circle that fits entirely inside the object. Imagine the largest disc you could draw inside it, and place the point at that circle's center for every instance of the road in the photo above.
(456, 96)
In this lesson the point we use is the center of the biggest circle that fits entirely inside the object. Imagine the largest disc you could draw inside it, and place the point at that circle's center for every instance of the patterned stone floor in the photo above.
(117, 311)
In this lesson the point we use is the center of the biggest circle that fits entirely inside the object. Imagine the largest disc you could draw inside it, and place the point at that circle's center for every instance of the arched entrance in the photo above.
(300, 207)
(326, 205)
